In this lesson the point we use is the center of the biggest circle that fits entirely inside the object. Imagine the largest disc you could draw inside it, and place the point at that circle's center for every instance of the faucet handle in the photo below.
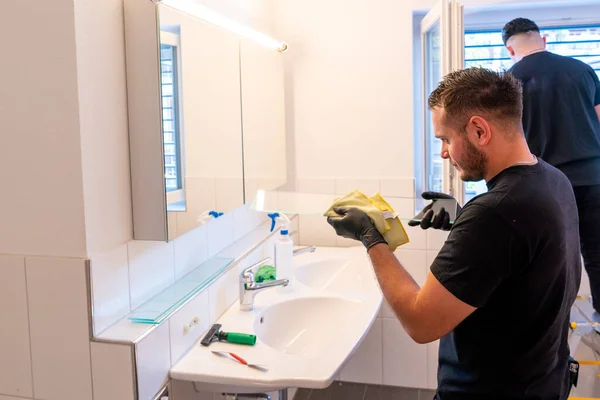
(247, 273)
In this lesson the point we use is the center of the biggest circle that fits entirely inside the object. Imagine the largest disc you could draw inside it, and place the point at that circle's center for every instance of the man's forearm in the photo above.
(398, 287)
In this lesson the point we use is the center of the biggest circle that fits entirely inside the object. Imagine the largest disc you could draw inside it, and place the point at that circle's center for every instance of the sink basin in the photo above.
(332, 275)
(303, 326)
(303, 336)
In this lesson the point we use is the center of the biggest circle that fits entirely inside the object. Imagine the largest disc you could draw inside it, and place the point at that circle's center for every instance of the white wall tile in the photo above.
(295, 229)
(200, 197)
(173, 219)
(436, 238)
(112, 371)
(243, 222)
(58, 316)
(314, 229)
(366, 363)
(15, 359)
(295, 223)
(316, 185)
(432, 364)
(229, 193)
(268, 248)
(415, 262)
(368, 186)
(404, 207)
(196, 317)
(250, 189)
(110, 287)
(251, 259)
(397, 187)
(220, 234)
(404, 361)
(151, 269)
(417, 237)
(153, 362)
(191, 250)
(222, 294)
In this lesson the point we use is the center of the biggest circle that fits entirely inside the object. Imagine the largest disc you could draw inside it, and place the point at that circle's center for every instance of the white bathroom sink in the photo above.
(303, 336)
(335, 275)
(297, 326)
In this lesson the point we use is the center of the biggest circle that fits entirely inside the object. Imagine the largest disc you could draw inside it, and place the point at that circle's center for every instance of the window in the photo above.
(485, 49)
(170, 65)
(168, 69)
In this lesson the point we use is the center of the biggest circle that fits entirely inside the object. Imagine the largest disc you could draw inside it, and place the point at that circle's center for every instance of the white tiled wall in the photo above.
(15, 362)
(129, 275)
(110, 274)
(153, 355)
(59, 328)
(165, 345)
(188, 324)
(113, 371)
(387, 355)
(46, 349)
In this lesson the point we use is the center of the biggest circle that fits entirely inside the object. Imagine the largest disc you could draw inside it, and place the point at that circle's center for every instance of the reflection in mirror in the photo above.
(171, 123)
(263, 116)
(200, 87)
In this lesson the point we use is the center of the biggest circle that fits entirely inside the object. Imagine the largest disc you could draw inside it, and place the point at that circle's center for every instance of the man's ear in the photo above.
(511, 51)
(481, 130)
(544, 39)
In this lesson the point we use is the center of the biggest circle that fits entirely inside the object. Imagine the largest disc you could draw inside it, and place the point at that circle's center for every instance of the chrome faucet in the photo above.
(250, 288)
(309, 249)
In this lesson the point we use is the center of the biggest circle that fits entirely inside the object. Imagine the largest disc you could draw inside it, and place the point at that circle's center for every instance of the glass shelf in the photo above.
(316, 204)
(161, 306)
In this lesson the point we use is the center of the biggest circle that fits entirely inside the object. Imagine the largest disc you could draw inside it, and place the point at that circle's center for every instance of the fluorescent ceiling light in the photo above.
(196, 10)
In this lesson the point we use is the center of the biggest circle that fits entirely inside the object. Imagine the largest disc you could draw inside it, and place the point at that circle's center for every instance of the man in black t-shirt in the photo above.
(561, 120)
(500, 291)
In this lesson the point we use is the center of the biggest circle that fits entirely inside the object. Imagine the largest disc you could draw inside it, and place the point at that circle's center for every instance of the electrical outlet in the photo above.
(191, 325)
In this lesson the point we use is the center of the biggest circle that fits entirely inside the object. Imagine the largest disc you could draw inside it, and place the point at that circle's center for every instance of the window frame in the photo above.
(176, 195)
(470, 30)
(475, 29)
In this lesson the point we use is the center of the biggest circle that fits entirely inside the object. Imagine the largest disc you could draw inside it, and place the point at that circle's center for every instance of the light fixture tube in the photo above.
(199, 11)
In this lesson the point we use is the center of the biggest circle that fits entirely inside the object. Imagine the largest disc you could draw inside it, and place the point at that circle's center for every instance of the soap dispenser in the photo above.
(284, 252)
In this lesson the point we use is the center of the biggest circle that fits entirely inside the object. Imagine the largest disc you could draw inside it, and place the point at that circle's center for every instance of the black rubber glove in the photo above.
(356, 224)
(441, 220)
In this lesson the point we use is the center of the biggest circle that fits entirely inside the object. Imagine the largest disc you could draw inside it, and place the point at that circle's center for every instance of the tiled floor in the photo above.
(359, 391)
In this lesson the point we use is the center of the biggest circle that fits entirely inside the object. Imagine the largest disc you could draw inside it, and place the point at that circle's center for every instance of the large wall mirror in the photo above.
(263, 118)
(206, 117)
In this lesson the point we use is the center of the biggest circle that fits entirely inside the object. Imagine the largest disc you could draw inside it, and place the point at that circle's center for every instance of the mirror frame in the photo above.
(148, 189)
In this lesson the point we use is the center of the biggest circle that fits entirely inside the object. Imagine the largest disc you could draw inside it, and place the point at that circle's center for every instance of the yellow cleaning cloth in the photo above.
(375, 206)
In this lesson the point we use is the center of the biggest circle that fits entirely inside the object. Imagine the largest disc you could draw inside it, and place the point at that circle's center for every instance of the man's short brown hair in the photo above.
(463, 93)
